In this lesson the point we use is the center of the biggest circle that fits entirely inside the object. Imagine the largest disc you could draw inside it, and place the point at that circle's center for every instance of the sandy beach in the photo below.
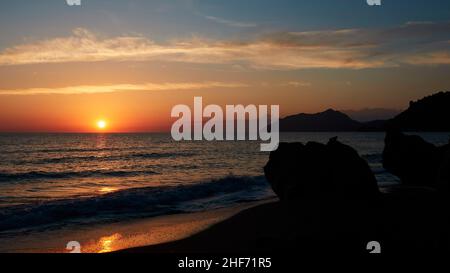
(259, 228)
(123, 235)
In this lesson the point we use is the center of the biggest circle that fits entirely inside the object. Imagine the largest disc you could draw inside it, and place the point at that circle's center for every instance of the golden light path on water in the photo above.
(105, 190)
(107, 243)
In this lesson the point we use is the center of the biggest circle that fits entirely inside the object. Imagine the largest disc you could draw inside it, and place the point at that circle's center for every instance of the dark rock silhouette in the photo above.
(429, 114)
(415, 161)
(306, 171)
(329, 196)
(416, 212)
(329, 190)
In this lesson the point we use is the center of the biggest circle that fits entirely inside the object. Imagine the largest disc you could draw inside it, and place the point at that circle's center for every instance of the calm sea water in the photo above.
(54, 180)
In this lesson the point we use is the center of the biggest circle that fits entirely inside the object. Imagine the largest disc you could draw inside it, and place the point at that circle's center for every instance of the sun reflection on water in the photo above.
(107, 190)
(107, 243)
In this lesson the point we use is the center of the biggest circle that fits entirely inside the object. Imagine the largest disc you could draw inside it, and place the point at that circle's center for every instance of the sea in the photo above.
(54, 181)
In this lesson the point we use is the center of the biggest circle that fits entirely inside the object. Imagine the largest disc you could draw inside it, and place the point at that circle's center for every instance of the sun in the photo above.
(101, 124)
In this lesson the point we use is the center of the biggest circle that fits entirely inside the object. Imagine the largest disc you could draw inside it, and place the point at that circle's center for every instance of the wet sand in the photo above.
(257, 229)
(123, 235)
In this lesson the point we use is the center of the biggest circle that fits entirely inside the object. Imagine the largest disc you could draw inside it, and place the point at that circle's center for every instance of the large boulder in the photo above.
(328, 191)
(297, 172)
(417, 210)
(415, 161)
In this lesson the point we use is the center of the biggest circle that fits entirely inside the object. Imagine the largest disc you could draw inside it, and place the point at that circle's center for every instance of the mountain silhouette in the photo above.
(428, 114)
(330, 120)
(371, 114)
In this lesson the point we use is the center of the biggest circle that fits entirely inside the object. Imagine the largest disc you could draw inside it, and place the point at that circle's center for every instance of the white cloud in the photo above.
(297, 84)
(95, 89)
(431, 58)
(411, 44)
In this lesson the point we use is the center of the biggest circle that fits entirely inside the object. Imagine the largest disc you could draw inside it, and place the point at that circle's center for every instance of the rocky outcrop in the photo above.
(328, 191)
(429, 114)
(297, 171)
(329, 196)
(415, 161)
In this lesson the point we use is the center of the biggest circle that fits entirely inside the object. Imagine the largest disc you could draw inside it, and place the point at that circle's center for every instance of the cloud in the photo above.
(95, 89)
(419, 43)
(431, 58)
(297, 84)
(230, 23)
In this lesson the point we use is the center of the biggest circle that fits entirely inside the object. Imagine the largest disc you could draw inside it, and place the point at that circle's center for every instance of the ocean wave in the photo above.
(132, 203)
(69, 150)
(162, 155)
(98, 158)
(8, 177)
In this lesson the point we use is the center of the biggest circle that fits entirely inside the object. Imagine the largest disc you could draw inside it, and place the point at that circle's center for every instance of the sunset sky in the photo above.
(62, 69)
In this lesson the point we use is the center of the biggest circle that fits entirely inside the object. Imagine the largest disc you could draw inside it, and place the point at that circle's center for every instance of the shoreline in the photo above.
(255, 229)
(104, 238)
(410, 220)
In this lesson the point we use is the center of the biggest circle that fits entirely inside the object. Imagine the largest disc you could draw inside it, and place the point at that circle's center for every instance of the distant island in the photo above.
(427, 114)
(330, 120)
(370, 114)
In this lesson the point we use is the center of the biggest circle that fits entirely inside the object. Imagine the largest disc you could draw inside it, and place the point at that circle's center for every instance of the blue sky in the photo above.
(162, 19)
